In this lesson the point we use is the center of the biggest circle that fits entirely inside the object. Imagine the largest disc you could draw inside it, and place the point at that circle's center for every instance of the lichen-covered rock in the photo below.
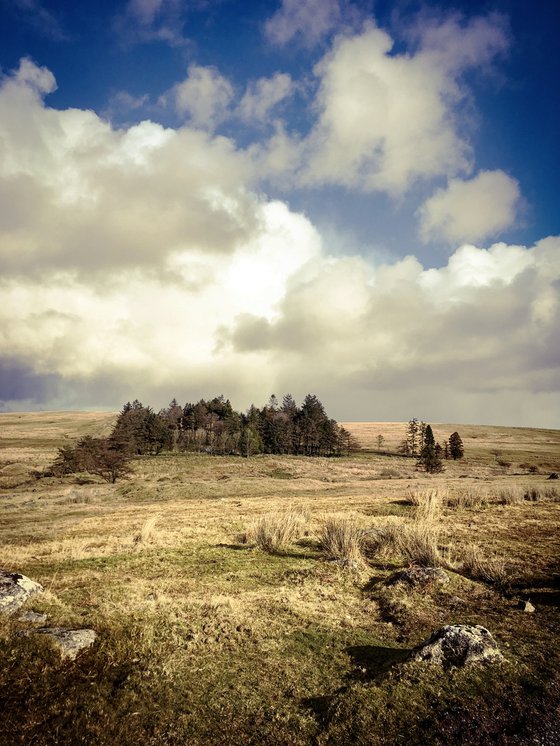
(33, 617)
(69, 642)
(15, 589)
(419, 576)
(458, 645)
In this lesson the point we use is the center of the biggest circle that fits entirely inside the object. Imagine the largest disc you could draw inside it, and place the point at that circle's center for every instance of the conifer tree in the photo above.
(456, 450)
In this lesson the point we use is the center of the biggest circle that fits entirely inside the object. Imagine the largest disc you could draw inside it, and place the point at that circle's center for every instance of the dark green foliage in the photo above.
(456, 450)
(431, 453)
(98, 456)
(214, 427)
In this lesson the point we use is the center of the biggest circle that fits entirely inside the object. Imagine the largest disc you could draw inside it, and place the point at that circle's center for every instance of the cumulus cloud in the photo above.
(203, 97)
(77, 194)
(263, 95)
(386, 119)
(471, 210)
(140, 262)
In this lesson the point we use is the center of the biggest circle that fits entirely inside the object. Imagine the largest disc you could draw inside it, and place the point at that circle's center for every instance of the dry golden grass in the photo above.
(196, 629)
(340, 539)
(274, 532)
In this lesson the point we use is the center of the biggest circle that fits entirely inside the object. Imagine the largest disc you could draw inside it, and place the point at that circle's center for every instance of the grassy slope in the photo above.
(204, 639)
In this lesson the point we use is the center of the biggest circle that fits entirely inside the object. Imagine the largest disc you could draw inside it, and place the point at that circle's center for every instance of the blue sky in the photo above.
(353, 198)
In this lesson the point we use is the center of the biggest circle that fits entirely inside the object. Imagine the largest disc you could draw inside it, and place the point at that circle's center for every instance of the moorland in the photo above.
(245, 600)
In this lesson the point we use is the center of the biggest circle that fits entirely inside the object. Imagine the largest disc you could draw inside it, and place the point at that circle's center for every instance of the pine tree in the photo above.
(430, 457)
(456, 449)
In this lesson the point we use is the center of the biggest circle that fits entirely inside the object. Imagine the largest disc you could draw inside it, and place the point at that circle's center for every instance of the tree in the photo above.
(413, 436)
(380, 440)
(456, 450)
(430, 457)
(100, 456)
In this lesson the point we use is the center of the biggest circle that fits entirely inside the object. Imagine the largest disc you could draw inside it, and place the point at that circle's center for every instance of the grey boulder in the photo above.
(459, 645)
(15, 589)
(70, 642)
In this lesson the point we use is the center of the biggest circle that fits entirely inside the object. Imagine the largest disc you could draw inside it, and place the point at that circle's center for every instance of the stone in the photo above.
(15, 589)
(458, 645)
(527, 607)
(70, 642)
(33, 617)
(419, 576)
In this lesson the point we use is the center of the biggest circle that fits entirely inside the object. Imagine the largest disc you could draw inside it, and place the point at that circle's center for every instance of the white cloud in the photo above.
(308, 20)
(386, 119)
(263, 95)
(203, 97)
(141, 259)
(471, 210)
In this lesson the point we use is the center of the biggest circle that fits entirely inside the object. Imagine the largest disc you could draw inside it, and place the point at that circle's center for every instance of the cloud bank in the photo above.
(146, 261)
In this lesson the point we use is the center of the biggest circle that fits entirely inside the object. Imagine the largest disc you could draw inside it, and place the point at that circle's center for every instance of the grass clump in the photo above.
(147, 533)
(274, 532)
(341, 539)
(478, 566)
(467, 499)
(513, 495)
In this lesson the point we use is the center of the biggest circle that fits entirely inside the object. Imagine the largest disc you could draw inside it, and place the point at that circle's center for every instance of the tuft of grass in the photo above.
(467, 499)
(147, 532)
(341, 539)
(513, 495)
(273, 532)
(418, 542)
(478, 566)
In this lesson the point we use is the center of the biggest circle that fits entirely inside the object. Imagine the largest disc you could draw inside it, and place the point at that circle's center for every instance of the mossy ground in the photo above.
(204, 639)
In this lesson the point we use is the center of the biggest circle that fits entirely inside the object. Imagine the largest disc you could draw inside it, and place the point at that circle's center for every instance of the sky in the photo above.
(353, 199)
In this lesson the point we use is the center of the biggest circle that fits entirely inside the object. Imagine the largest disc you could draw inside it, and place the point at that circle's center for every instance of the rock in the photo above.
(554, 475)
(15, 589)
(69, 642)
(526, 606)
(458, 645)
(33, 617)
(419, 576)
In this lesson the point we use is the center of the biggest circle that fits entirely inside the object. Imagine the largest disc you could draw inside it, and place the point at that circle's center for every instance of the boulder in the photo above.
(69, 642)
(419, 577)
(458, 645)
(15, 589)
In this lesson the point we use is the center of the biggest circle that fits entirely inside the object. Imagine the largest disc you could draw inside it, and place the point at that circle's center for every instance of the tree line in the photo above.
(208, 426)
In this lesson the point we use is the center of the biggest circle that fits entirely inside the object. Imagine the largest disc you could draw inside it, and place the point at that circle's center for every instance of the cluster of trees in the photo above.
(211, 426)
(419, 442)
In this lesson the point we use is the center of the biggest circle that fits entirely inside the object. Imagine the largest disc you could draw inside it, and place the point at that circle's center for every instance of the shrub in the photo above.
(341, 539)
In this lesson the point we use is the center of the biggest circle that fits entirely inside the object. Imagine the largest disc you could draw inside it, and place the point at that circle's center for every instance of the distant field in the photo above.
(204, 638)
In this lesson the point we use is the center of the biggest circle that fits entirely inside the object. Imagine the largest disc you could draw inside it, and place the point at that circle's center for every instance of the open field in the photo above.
(205, 638)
